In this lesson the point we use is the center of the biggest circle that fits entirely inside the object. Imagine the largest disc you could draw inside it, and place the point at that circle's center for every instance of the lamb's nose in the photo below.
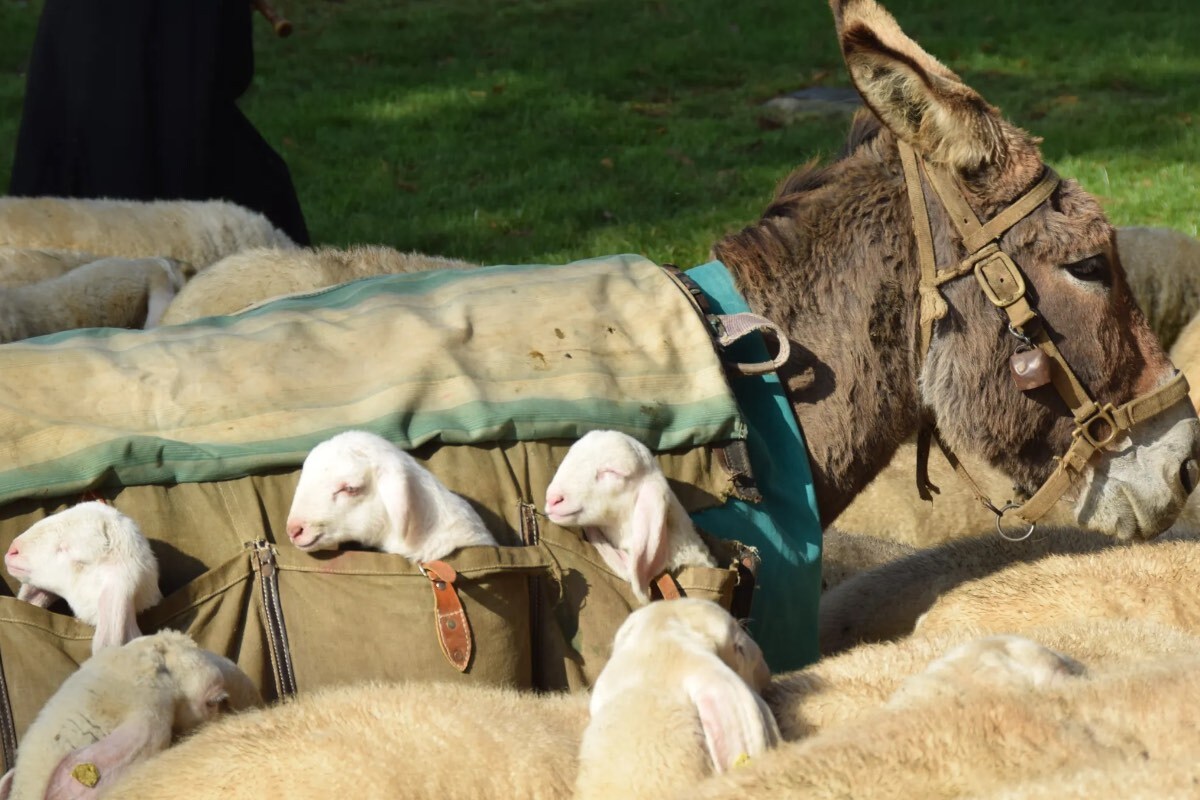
(295, 530)
(553, 501)
(12, 551)
(1189, 475)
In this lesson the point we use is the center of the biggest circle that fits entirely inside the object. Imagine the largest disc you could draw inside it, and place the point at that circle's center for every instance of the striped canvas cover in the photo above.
(505, 353)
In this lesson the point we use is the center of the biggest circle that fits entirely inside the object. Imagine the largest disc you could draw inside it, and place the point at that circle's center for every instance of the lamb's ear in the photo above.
(648, 546)
(116, 619)
(395, 492)
(36, 596)
(923, 102)
(737, 723)
(108, 758)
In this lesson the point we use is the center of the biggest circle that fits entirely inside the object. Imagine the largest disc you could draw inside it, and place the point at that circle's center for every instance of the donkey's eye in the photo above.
(1094, 268)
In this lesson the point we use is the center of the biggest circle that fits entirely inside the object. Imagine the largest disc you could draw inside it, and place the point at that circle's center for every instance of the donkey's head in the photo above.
(847, 233)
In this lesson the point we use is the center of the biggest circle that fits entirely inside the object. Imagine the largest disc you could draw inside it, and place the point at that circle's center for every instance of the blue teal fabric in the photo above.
(785, 526)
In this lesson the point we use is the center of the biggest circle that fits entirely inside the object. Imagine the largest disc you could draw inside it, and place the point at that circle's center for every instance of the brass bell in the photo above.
(1030, 368)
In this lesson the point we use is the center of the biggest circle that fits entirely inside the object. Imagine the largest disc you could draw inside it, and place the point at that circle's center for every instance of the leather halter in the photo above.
(1096, 425)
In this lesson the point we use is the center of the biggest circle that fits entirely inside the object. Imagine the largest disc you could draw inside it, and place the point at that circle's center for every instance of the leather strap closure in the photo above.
(668, 587)
(453, 629)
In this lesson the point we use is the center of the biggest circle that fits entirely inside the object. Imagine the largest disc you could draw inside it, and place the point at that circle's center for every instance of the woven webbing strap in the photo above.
(1002, 282)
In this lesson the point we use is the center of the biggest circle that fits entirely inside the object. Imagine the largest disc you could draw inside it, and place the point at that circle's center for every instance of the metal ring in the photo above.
(1003, 535)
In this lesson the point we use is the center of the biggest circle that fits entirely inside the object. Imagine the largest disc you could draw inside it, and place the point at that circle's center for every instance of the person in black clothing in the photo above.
(137, 100)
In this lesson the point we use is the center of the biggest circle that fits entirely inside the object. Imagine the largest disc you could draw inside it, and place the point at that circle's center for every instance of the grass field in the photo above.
(512, 131)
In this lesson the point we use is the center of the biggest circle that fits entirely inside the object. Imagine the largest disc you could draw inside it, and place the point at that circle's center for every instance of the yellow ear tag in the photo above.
(741, 761)
(87, 774)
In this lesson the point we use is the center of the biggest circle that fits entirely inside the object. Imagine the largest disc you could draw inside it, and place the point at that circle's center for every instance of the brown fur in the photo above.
(833, 261)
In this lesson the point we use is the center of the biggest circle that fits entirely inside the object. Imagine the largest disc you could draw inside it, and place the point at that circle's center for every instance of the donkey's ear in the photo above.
(922, 101)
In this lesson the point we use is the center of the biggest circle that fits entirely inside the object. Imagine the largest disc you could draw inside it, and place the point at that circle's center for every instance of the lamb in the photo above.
(122, 706)
(198, 233)
(610, 485)
(110, 293)
(359, 487)
(968, 740)
(475, 742)
(22, 265)
(885, 602)
(1149, 582)
(412, 739)
(844, 687)
(96, 559)
(681, 671)
(261, 274)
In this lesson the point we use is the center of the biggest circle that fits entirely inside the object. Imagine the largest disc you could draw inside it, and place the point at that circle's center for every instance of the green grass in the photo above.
(514, 131)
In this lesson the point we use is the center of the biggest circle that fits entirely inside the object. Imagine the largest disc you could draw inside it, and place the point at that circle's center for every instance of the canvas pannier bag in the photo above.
(198, 431)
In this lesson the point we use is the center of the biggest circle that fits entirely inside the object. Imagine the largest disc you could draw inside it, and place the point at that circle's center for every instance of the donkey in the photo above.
(834, 261)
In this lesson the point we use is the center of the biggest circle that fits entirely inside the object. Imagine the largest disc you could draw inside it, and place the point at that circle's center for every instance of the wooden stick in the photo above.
(283, 28)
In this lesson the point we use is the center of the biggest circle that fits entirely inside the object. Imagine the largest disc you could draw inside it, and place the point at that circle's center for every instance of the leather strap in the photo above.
(733, 328)
(453, 629)
(1085, 444)
(668, 587)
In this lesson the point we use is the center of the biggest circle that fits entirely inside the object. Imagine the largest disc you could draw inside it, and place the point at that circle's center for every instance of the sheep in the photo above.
(411, 739)
(253, 276)
(846, 686)
(470, 741)
(885, 602)
(610, 485)
(96, 559)
(1149, 581)
(844, 555)
(121, 706)
(1147, 778)
(1162, 266)
(890, 508)
(967, 740)
(682, 671)
(22, 265)
(1185, 354)
(195, 232)
(359, 487)
(111, 293)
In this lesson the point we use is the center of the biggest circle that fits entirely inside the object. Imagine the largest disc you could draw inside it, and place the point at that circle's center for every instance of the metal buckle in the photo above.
(1103, 414)
(1002, 288)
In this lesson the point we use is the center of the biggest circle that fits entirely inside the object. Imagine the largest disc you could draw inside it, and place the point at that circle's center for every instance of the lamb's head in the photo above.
(707, 655)
(198, 679)
(96, 559)
(600, 481)
(610, 482)
(345, 492)
(178, 687)
(702, 625)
